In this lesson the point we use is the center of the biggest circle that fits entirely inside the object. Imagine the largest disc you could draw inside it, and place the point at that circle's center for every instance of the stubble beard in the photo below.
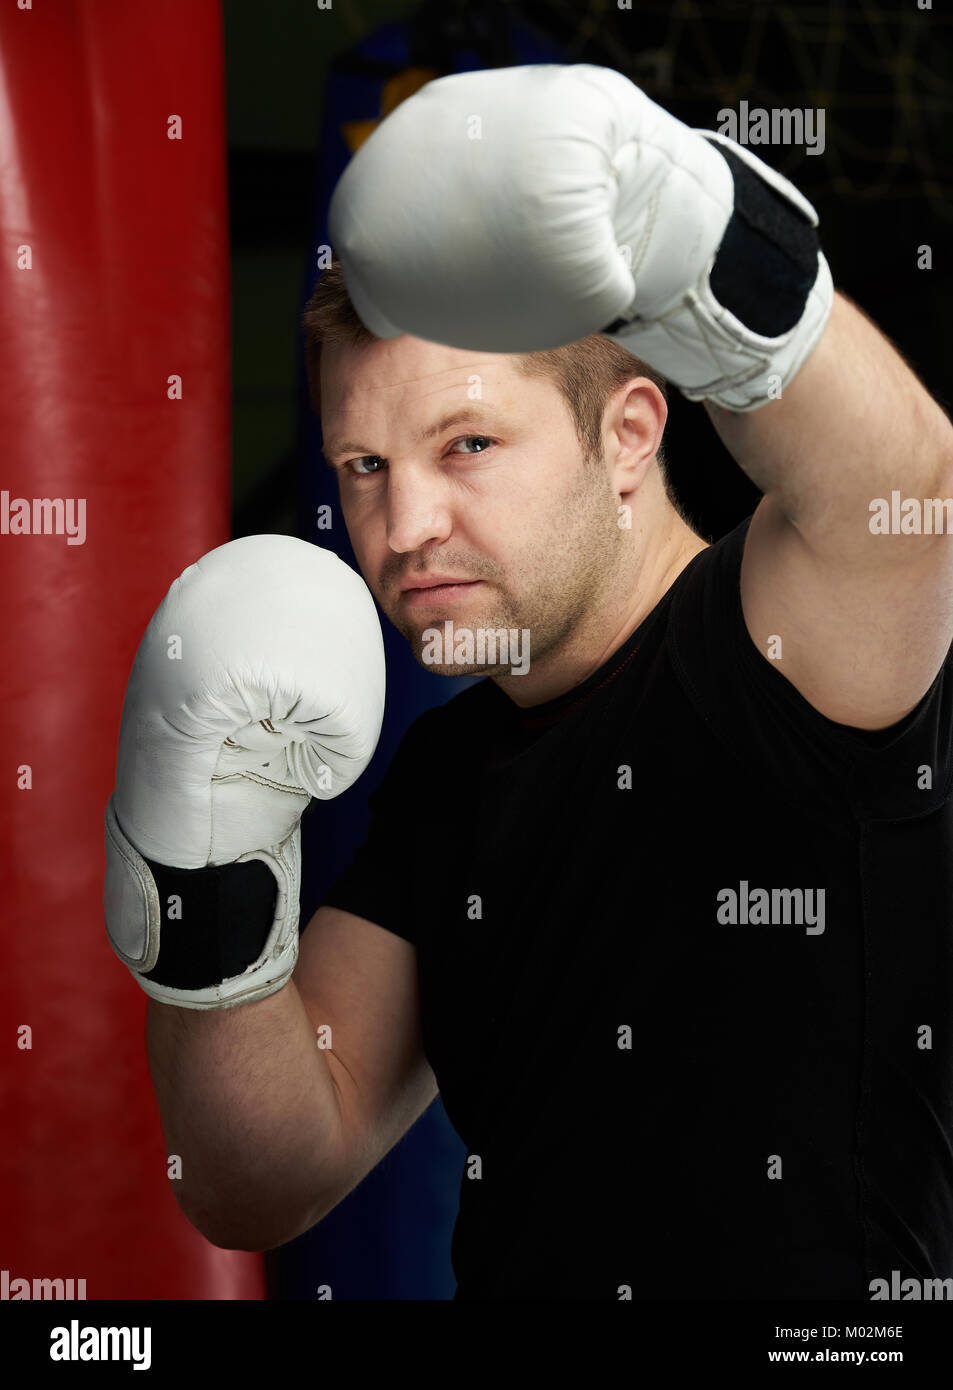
(568, 571)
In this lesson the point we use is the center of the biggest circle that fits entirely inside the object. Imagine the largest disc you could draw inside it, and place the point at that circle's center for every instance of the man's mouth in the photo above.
(437, 591)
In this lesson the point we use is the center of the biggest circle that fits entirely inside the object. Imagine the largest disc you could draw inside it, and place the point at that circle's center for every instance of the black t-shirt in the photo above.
(660, 1083)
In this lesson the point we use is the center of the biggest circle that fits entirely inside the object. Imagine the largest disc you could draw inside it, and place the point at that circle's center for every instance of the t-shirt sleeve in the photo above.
(376, 883)
(886, 774)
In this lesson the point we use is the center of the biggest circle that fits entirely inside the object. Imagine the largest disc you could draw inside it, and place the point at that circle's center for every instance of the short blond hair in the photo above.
(586, 372)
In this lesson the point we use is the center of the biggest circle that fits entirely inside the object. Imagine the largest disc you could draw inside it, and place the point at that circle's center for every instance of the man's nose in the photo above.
(417, 510)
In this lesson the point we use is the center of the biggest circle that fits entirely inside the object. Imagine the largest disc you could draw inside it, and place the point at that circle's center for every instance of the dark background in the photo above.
(883, 74)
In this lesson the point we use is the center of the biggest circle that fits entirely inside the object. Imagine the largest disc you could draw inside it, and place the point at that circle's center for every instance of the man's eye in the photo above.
(467, 437)
(370, 464)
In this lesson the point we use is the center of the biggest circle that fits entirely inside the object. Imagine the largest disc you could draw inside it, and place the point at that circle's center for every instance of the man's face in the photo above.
(452, 464)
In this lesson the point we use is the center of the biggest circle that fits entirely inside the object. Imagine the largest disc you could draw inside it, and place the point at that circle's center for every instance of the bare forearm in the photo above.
(854, 424)
(248, 1104)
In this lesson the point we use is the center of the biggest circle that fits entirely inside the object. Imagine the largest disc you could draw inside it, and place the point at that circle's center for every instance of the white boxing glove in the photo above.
(518, 209)
(259, 683)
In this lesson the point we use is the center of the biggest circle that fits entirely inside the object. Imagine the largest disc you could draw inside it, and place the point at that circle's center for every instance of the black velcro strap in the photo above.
(214, 921)
(767, 261)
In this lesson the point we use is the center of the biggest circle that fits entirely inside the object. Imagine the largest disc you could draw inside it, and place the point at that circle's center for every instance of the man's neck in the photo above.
(591, 645)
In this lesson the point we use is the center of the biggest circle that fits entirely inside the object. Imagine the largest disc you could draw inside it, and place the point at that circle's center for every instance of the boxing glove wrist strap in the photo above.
(743, 332)
(203, 938)
(767, 261)
(215, 921)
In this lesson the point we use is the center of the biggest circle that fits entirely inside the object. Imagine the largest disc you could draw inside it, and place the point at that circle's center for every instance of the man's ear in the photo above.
(633, 423)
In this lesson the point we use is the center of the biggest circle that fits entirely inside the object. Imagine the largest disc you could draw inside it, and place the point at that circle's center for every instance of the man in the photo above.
(664, 909)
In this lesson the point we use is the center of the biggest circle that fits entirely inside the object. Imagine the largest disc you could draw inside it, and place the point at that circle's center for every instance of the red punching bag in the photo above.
(115, 475)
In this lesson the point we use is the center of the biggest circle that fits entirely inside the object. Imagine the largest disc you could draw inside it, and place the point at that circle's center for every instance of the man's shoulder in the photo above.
(727, 549)
(712, 574)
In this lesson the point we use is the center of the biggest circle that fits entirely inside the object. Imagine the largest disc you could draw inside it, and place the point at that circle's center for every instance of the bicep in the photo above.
(861, 637)
(358, 983)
